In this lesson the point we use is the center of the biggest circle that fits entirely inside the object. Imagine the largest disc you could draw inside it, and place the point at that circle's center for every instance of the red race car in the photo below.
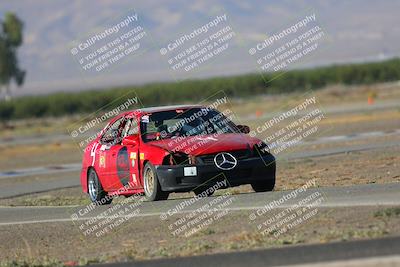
(156, 151)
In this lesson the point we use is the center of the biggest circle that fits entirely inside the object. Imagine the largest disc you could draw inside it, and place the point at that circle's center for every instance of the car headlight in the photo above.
(261, 149)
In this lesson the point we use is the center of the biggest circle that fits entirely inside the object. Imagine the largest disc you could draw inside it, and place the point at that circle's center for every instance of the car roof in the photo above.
(165, 108)
(147, 110)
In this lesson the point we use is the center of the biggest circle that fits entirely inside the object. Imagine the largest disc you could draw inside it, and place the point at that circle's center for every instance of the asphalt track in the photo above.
(347, 196)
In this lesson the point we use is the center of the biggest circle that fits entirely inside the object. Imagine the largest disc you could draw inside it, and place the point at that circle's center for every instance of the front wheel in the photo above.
(152, 188)
(264, 185)
(96, 192)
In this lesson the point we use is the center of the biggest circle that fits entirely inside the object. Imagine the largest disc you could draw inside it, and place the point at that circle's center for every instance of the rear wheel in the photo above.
(263, 186)
(96, 192)
(152, 188)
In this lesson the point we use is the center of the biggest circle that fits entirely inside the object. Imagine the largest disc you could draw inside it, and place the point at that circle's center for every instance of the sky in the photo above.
(354, 31)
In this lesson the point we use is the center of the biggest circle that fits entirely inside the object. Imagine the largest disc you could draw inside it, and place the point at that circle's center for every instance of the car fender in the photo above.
(87, 160)
(151, 153)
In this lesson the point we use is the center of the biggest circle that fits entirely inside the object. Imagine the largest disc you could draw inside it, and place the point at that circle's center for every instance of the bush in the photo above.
(58, 104)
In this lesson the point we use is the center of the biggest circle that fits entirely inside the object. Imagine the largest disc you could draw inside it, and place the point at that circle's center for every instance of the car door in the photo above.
(123, 159)
(109, 144)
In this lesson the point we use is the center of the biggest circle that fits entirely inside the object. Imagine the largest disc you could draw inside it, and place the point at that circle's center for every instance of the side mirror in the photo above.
(244, 129)
(131, 140)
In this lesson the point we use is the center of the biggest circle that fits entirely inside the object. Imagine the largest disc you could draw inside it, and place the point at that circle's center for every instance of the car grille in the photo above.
(238, 154)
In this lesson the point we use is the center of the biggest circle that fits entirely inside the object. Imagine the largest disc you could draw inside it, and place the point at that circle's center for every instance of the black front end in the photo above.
(249, 168)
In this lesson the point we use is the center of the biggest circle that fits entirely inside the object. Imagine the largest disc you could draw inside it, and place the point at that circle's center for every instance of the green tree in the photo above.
(10, 39)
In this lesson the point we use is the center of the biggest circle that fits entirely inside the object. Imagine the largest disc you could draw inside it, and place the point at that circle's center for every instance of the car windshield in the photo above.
(180, 122)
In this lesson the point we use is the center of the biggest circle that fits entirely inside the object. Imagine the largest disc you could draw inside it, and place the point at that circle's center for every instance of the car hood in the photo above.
(207, 144)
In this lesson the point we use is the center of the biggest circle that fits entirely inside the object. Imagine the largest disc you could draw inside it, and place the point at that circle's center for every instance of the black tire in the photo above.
(199, 191)
(152, 187)
(263, 186)
(95, 189)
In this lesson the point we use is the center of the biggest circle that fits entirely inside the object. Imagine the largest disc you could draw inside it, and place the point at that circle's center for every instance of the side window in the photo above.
(113, 134)
(131, 127)
(151, 127)
(172, 124)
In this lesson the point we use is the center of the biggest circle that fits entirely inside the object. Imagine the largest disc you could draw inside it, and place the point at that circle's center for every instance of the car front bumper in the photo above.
(173, 179)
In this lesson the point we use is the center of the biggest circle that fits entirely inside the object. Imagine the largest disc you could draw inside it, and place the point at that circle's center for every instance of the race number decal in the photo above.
(102, 160)
(93, 153)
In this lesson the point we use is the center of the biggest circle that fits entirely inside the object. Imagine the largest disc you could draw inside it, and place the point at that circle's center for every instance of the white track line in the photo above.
(149, 214)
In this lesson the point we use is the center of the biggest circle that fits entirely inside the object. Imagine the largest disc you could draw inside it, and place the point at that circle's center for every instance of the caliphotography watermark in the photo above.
(193, 49)
(289, 211)
(198, 213)
(116, 41)
(91, 221)
(289, 128)
(92, 126)
(286, 47)
(204, 125)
